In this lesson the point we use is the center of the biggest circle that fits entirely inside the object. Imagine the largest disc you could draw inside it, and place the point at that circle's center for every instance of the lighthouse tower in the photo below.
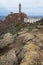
(19, 7)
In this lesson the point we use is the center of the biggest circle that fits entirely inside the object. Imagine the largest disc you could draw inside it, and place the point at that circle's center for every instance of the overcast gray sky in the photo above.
(30, 7)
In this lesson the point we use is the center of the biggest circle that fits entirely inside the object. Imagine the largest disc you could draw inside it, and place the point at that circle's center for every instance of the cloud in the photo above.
(28, 6)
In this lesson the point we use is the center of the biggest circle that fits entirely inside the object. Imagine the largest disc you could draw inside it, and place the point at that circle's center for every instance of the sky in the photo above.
(30, 7)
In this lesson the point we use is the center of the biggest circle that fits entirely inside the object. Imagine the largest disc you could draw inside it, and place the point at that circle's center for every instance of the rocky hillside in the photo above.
(22, 48)
(12, 23)
(40, 22)
(20, 43)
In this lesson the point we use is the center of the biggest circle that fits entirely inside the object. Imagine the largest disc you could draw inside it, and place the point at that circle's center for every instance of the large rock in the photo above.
(29, 46)
(31, 58)
(7, 39)
(41, 57)
(27, 36)
(8, 58)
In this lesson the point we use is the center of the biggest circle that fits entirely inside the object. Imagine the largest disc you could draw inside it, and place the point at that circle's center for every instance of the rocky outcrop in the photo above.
(12, 23)
(16, 17)
(7, 39)
(23, 48)
(8, 58)
(32, 51)
(31, 58)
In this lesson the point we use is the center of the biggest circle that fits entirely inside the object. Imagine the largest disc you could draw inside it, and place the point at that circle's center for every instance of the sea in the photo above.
(3, 17)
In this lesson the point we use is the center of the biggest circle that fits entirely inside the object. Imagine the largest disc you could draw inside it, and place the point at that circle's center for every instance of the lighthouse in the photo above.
(19, 7)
